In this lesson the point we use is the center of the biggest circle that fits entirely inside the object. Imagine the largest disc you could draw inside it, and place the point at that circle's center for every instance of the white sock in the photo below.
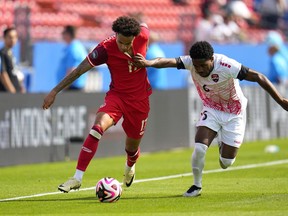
(225, 162)
(198, 160)
(78, 175)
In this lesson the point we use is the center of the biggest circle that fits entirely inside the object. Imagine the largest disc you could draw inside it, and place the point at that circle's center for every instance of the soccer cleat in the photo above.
(71, 184)
(129, 175)
(193, 191)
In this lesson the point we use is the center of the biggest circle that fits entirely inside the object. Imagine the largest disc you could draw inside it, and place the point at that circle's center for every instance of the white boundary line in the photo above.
(249, 166)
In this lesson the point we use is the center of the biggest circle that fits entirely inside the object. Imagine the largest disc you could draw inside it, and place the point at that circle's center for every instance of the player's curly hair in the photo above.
(201, 50)
(127, 26)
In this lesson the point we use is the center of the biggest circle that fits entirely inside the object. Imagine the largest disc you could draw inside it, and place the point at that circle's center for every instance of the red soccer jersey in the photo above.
(127, 81)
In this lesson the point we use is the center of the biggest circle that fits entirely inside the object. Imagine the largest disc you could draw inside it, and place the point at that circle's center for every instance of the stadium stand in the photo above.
(94, 17)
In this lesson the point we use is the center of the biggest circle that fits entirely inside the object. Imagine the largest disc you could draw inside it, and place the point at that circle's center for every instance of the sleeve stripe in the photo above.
(242, 73)
(179, 63)
(90, 61)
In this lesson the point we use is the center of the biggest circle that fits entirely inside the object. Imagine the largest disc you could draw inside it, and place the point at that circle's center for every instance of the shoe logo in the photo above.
(129, 183)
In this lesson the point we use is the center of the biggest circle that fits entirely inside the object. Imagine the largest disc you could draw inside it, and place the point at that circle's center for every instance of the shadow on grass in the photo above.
(90, 198)
(53, 199)
(150, 197)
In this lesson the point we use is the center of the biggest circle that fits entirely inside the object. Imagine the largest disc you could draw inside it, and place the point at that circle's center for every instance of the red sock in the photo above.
(132, 157)
(89, 148)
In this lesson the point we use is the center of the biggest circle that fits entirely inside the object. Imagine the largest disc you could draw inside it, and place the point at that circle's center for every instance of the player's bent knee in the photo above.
(96, 131)
(225, 162)
(200, 149)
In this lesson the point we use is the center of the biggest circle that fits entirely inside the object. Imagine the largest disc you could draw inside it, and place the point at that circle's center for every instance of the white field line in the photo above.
(249, 166)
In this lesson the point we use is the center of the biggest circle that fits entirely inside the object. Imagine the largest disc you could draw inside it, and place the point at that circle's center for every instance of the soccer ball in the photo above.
(108, 190)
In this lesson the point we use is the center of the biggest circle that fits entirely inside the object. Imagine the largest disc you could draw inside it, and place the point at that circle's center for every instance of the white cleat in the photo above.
(193, 191)
(71, 184)
(129, 175)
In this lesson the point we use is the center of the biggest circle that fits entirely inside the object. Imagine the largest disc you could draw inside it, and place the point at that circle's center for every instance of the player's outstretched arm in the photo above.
(140, 61)
(265, 83)
(83, 67)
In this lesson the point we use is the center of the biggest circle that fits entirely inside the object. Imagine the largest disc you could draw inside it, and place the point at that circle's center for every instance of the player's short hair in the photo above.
(7, 30)
(127, 26)
(70, 30)
(201, 50)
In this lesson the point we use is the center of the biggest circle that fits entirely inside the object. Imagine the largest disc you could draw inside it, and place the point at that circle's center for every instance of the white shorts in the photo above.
(230, 126)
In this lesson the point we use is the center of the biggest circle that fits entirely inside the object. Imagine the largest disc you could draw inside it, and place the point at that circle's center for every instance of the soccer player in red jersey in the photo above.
(128, 96)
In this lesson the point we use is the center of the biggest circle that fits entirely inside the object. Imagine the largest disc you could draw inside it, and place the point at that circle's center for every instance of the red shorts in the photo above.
(134, 113)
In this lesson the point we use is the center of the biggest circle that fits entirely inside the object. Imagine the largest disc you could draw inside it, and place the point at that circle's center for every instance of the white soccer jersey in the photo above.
(221, 89)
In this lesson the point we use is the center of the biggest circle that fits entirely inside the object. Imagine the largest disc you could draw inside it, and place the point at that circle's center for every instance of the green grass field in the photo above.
(256, 191)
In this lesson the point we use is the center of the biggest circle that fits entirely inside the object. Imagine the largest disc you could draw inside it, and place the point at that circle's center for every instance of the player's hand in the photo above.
(139, 61)
(284, 104)
(49, 100)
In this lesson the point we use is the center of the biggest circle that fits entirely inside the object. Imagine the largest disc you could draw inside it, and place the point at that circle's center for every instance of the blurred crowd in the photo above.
(225, 21)
(222, 21)
(231, 21)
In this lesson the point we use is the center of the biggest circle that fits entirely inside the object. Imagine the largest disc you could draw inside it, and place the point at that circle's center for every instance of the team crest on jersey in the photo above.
(215, 77)
(94, 54)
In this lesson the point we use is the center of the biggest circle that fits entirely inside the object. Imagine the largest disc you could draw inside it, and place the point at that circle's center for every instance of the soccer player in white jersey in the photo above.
(216, 78)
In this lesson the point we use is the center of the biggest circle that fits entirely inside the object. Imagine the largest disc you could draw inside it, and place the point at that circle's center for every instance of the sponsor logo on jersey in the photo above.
(215, 77)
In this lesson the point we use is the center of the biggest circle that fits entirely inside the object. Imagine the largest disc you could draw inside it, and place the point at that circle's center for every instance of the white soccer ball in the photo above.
(108, 190)
(272, 149)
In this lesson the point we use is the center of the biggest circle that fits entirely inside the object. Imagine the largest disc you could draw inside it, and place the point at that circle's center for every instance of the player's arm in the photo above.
(83, 67)
(68, 71)
(6, 81)
(140, 61)
(4, 76)
(264, 82)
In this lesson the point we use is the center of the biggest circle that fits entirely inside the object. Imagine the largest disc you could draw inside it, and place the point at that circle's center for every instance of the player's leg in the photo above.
(227, 155)
(207, 128)
(232, 135)
(107, 115)
(102, 123)
(203, 138)
(134, 124)
(133, 152)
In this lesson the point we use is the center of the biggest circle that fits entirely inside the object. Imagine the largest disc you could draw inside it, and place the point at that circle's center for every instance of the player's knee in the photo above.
(199, 150)
(96, 131)
(225, 162)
